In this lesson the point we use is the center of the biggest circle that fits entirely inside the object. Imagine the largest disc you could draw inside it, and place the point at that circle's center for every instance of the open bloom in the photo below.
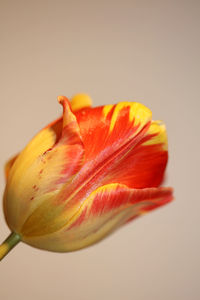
(85, 175)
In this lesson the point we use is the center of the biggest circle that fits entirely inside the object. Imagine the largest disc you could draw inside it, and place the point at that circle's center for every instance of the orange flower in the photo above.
(85, 175)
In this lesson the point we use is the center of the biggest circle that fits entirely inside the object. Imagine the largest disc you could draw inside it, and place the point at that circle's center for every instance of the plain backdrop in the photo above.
(146, 51)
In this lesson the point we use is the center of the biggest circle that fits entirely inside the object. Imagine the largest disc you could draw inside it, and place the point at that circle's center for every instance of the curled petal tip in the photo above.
(67, 114)
(62, 99)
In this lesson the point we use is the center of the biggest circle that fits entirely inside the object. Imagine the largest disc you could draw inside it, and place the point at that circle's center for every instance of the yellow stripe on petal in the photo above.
(107, 109)
(138, 114)
(159, 135)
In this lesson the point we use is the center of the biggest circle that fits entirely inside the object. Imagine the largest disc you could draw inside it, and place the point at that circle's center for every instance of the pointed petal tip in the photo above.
(68, 116)
(77, 102)
(62, 99)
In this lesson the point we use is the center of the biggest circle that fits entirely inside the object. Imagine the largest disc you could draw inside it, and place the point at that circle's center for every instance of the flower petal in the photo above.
(109, 165)
(109, 133)
(80, 101)
(118, 139)
(108, 127)
(145, 164)
(104, 210)
(44, 166)
(9, 165)
(124, 143)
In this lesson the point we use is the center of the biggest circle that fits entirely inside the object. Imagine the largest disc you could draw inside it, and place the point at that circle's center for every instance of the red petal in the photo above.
(121, 145)
(109, 127)
(108, 134)
(145, 164)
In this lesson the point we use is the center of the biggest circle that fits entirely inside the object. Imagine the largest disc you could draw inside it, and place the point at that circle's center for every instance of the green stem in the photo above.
(8, 244)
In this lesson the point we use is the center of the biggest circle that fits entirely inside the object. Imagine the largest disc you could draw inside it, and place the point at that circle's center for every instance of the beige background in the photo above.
(114, 50)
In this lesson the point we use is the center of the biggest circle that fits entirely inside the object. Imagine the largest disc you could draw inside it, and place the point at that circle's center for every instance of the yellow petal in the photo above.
(46, 164)
(9, 165)
(80, 101)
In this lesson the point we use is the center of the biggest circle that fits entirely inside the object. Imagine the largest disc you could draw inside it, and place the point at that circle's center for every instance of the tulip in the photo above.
(85, 175)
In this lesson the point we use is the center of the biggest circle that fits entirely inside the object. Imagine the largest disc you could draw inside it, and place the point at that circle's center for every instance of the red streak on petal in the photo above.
(123, 197)
(93, 172)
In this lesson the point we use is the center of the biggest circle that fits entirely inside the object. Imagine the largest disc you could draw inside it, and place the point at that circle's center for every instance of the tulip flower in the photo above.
(85, 175)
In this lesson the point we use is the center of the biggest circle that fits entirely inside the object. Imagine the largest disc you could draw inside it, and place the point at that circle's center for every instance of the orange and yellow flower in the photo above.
(85, 175)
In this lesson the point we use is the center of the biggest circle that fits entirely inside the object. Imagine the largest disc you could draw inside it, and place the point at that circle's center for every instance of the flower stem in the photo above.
(8, 244)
